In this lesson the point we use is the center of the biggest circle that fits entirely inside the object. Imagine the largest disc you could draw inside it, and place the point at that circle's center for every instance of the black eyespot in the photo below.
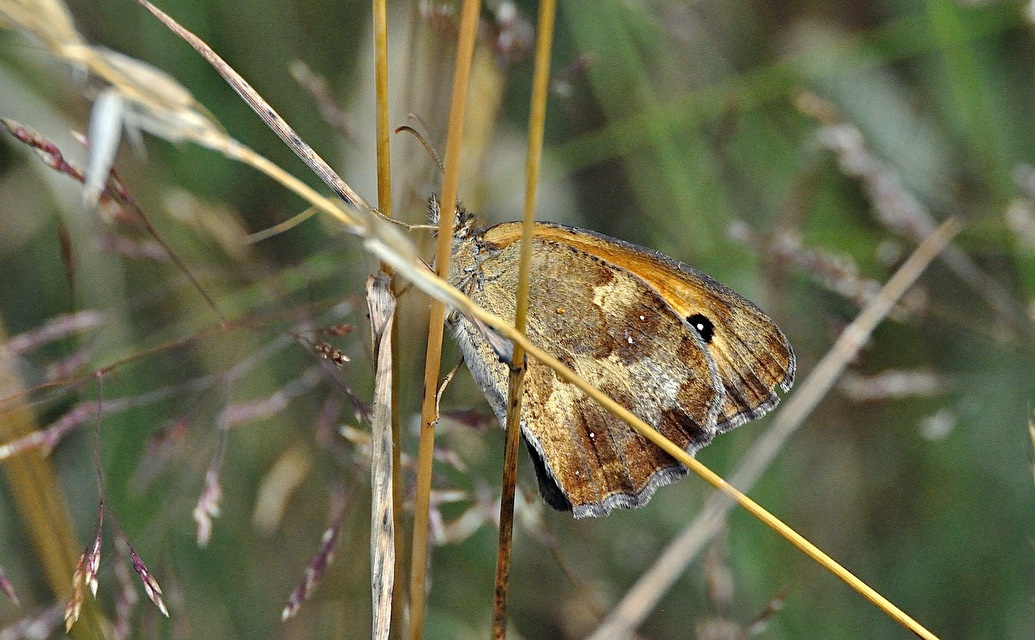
(703, 325)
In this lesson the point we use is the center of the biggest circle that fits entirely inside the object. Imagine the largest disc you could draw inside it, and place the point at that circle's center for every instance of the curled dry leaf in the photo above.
(382, 530)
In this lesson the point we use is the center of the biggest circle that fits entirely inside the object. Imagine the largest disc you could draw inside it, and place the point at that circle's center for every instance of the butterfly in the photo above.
(683, 352)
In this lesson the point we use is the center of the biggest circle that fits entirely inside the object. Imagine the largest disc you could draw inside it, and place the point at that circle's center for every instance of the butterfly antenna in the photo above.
(432, 152)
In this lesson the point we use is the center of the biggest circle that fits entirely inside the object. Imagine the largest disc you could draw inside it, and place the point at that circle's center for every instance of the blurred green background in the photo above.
(668, 123)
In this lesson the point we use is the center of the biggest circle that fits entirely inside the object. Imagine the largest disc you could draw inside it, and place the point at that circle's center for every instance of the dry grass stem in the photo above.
(385, 205)
(433, 361)
(536, 127)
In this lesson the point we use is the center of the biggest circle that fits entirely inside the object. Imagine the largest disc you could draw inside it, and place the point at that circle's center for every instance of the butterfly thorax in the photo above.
(466, 251)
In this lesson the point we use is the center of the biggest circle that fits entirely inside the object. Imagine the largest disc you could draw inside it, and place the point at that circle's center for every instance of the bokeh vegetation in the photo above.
(670, 124)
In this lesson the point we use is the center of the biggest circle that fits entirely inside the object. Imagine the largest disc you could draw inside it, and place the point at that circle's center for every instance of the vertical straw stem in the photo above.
(384, 176)
(433, 362)
(384, 205)
(536, 127)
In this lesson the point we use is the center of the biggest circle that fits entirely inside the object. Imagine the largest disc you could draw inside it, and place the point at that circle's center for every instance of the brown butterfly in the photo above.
(686, 354)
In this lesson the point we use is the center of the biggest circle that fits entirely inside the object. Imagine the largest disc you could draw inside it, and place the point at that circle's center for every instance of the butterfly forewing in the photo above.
(684, 353)
(752, 354)
(621, 336)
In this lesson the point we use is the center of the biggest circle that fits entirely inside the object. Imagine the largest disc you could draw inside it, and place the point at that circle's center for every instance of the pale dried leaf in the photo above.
(382, 530)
